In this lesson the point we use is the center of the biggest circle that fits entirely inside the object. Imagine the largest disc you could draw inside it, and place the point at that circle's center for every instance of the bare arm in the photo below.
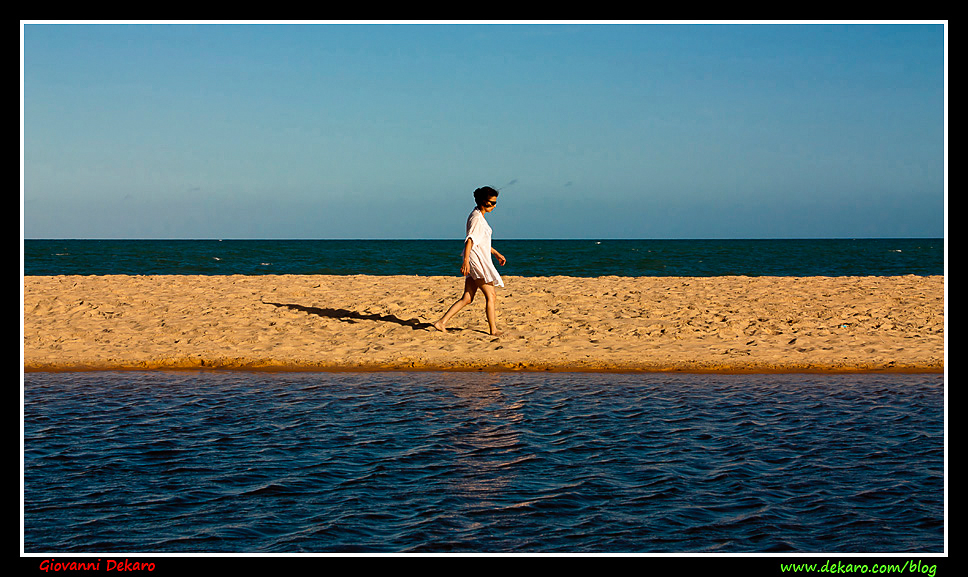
(465, 267)
(499, 256)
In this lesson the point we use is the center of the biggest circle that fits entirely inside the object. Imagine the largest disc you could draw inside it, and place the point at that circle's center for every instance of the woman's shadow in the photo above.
(347, 316)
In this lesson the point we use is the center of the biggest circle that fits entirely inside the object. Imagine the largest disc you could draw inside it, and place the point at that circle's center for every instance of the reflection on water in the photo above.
(482, 462)
(484, 441)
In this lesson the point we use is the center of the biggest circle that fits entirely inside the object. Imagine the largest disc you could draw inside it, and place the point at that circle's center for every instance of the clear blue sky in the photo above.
(384, 130)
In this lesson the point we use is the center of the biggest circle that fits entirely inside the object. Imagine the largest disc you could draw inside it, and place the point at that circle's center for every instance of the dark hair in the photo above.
(483, 194)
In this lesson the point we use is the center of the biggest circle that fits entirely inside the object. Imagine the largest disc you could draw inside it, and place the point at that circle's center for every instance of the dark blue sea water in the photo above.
(482, 462)
(202, 462)
(584, 258)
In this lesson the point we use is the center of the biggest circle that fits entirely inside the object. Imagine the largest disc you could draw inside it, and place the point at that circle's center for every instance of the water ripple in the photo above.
(212, 462)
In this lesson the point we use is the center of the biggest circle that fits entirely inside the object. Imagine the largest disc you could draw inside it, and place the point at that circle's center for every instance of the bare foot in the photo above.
(440, 327)
(497, 333)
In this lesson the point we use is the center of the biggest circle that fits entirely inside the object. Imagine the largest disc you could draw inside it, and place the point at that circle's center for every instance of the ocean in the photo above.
(581, 258)
(196, 462)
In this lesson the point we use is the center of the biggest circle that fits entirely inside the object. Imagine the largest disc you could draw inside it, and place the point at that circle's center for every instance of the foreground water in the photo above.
(482, 462)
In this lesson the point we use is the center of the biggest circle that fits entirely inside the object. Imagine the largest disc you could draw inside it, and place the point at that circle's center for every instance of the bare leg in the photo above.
(470, 289)
(490, 297)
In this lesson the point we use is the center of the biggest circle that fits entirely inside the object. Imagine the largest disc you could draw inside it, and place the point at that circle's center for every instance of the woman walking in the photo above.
(477, 267)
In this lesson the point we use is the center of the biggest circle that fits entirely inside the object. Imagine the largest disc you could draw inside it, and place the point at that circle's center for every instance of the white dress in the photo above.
(482, 267)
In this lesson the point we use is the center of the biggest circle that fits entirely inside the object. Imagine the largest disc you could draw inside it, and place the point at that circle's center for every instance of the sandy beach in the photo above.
(725, 324)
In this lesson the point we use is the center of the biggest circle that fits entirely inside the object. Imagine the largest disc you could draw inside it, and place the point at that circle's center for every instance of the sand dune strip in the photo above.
(314, 322)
